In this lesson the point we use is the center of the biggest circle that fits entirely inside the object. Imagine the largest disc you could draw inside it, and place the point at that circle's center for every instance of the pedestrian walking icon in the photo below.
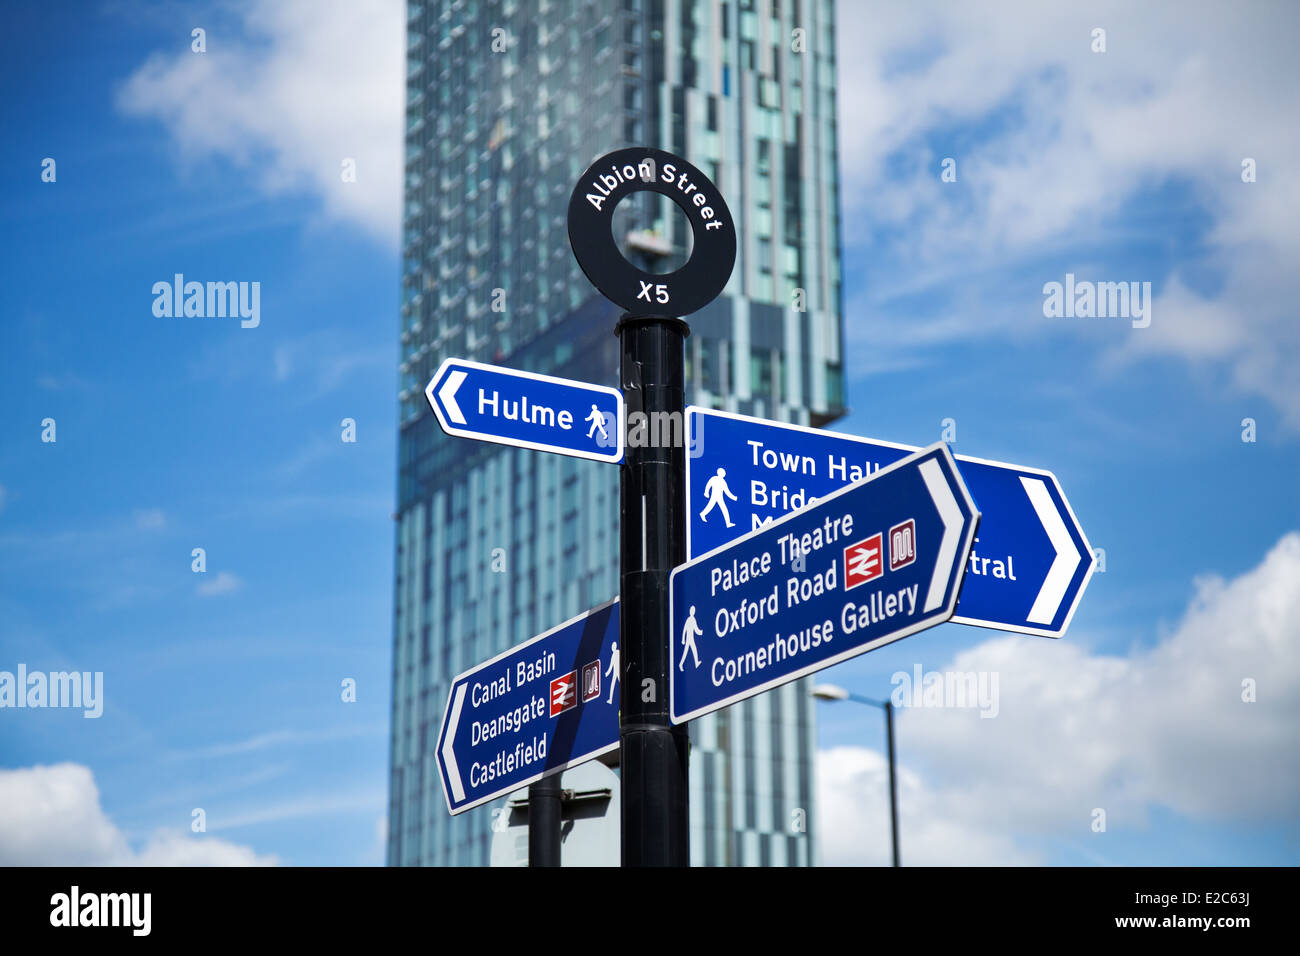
(597, 420)
(714, 489)
(690, 631)
(612, 673)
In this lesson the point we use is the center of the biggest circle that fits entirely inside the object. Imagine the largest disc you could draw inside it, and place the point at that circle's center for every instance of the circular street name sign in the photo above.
(591, 232)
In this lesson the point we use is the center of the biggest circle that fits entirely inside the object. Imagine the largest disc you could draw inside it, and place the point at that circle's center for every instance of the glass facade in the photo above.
(507, 103)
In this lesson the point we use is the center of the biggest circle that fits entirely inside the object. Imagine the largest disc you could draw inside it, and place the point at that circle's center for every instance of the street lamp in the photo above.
(833, 693)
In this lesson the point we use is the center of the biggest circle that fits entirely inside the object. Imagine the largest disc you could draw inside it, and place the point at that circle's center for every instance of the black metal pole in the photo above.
(544, 822)
(893, 778)
(654, 754)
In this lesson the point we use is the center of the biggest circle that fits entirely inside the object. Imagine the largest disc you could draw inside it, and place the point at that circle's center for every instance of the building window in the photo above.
(760, 371)
(834, 386)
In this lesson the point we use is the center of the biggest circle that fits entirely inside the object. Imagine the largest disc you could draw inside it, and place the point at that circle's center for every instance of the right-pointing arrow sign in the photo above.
(946, 504)
(1031, 560)
(1052, 593)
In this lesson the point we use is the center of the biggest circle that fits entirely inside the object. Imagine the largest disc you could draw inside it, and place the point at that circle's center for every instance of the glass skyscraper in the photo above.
(507, 103)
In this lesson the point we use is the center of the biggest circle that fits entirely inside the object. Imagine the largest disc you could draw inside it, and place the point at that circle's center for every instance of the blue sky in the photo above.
(173, 434)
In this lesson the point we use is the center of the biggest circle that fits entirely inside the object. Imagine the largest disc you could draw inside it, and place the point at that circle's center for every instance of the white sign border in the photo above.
(939, 616)
(614, 457)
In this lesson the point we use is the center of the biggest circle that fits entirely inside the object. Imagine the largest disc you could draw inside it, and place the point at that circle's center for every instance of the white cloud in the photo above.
(57, 383)
(315, 363)
(853, 800)
(1248, 330)
(223, 583)
(315, 805)
(306, 86)
(174, 848)
(1066, 140)
(280, 738)
(1164, 726)
(150, 519)
(306, 458)
(52, 817)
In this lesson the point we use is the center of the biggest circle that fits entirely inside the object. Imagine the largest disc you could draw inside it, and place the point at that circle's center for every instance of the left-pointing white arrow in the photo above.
(950, 515)
(448, 750)
(1052, 593)
(448, 396)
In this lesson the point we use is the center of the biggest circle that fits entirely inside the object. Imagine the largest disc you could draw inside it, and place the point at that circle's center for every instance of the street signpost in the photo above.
(1031, 560)
(867, 564)
(654, 754)
(588, 825)
(542, 706)
(768, 552)
(527, 410)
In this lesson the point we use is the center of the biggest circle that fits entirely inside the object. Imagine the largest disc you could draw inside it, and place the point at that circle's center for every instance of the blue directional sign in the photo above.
(1031, 561)
(867, 564)
(527, 410)
(547, 704)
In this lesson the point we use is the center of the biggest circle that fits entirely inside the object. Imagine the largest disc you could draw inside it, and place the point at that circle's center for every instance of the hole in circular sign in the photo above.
(652, 232)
